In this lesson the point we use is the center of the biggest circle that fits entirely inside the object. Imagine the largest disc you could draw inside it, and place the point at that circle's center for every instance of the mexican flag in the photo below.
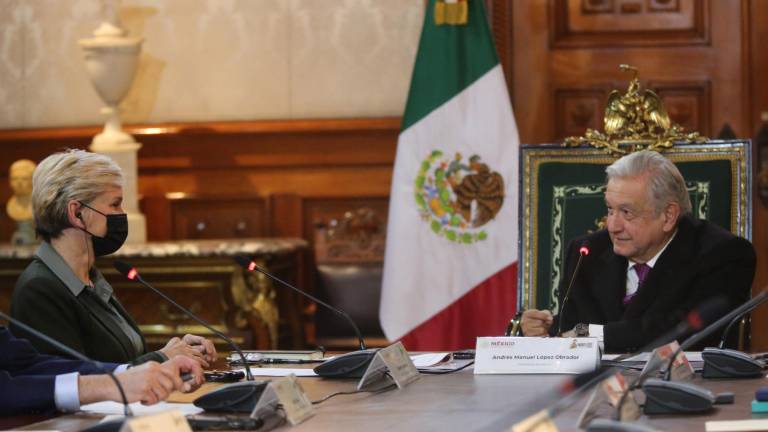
(450, 268)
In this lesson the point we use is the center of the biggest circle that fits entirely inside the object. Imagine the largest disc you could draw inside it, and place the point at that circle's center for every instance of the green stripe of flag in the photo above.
(450, 58)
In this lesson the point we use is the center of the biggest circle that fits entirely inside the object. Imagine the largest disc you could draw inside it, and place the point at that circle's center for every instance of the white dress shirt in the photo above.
(66, 393)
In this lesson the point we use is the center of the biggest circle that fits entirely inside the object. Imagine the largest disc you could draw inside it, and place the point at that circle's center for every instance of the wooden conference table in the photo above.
(459, 401)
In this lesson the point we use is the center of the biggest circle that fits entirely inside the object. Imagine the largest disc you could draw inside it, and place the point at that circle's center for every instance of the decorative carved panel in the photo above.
(603, 23)
(328, 211)
(688, 103)
(579, 109)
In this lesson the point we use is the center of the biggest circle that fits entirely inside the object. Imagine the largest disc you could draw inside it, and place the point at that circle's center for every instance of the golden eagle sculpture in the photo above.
(635, 120)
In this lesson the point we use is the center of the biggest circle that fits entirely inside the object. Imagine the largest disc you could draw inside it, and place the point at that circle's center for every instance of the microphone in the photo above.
(114, 425)
(251, 265)
(349, 365)
(748, 307)
(583, 251)
(657, 394)
(727, 363)
(573, 388)
(236, 397)
(698, 337)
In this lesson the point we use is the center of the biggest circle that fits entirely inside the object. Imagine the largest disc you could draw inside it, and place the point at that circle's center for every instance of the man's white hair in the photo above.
(666, 184)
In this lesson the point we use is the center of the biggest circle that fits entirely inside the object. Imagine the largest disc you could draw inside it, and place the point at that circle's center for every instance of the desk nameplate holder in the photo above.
(288, 393)
(167, 421)
(539, 422)
(533, 355)
(393, 359)
(681, 367)
(610, 391)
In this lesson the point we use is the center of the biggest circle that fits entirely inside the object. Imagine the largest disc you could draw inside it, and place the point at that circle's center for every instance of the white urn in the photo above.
(111, 59)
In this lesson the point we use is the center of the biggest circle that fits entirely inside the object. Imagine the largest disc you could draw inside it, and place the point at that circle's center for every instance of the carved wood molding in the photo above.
(613, 23)
(237, 145)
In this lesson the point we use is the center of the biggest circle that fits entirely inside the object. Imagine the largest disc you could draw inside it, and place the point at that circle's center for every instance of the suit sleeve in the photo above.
(41, 304)
(726, 270)
(27, 378)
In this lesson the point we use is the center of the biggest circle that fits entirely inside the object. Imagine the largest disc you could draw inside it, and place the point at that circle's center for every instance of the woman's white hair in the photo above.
(69, 175)
(666, 184)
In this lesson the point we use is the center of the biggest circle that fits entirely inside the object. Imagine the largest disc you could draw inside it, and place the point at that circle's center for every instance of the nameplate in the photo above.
(394, 361)
(610, 392)
(166, 421)
(288, 393)
(539, 422)
(659, 360)
(533, 355)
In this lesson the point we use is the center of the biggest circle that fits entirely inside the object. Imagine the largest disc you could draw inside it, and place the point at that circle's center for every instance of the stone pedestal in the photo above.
(127, 158)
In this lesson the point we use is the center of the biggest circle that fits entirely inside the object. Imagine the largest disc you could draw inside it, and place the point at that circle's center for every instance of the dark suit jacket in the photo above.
(701, 262)
(27, 378)
(42, 301)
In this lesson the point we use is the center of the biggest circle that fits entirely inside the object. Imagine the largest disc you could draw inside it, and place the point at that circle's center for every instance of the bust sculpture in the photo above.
(19, 206)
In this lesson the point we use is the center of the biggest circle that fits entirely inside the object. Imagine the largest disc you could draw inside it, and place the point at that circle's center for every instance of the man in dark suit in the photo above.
(652, 264)
(32, 382)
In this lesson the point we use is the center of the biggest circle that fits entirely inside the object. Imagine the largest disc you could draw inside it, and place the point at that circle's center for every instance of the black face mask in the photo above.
(117, 232)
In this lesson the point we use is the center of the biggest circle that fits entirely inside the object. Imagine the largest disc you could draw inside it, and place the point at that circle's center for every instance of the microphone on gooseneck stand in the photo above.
(113, 425)
(583, 251)
(667, 397)
(573, 388)
(351, 365)
(236, 397)
(726, 363)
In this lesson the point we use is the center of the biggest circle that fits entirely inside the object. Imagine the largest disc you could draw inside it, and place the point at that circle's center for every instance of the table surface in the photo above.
(461, 401)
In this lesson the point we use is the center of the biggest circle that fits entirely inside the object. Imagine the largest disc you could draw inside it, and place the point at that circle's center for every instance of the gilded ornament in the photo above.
(633, 121)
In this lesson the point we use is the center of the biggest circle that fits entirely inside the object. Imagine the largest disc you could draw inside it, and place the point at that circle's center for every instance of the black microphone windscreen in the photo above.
(707, 312)
(243, 260)
(123, 267)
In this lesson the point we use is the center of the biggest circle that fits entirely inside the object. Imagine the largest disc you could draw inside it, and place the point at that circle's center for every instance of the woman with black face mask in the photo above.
(77, 206)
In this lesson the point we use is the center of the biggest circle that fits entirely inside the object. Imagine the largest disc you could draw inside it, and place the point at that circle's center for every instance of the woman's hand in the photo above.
(202, 345)
(176, 347)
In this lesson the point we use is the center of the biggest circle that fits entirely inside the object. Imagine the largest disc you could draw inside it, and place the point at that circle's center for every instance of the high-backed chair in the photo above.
(350, 255)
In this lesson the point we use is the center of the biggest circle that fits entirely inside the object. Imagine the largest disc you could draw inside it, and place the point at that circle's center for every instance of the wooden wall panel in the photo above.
(617, 23)
(688, 103)
(578, 109)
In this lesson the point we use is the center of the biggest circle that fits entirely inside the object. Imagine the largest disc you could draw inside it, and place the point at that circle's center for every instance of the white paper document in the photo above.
(138, 408)
(426, 360)
(280, 372)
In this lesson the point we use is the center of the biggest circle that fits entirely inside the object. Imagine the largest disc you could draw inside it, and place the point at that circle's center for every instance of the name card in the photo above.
(166, 421)
(681, 367)
(393, 360)
(532, 355)
(288, 393)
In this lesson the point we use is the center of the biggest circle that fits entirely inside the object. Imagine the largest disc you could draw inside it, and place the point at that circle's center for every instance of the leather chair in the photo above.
(350, 254)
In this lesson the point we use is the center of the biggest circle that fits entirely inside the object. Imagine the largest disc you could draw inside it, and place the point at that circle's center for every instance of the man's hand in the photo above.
(148, 383)
(202, 345)
(536, 322)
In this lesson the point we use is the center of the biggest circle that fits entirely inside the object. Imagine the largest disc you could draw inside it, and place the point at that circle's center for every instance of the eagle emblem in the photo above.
(635, 120)
(458, 196)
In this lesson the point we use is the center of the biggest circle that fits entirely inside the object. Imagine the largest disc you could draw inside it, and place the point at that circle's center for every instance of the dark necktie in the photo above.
(642, 272)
